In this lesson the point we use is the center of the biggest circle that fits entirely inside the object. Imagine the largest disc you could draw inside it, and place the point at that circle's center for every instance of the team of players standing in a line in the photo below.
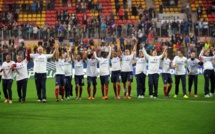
(121, 71)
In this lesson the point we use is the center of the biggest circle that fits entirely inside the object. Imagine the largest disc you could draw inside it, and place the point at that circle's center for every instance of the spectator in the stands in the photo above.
(48, 49)
(40, 43)
(126, 14)
(64, 2)
(140, 37)
(45, 41)
(91, 42)
(161, 8)
(199, 11)
(83, 7)
(112, 26)
(23, 7)
(172, 3)
(119, 30)
(205, 27)
(78, 6)
(129, 3)
(174, 27)
(103, 28)
(60, 39)
(117, 6)
(35, 31)
(100, 7)
(16, 16)
(51, 42)
(34, 7)
(120, 13)
(29, 8)
(164, 29)
(11, 41)
(186, 26)
(20, 40)
(186, 40)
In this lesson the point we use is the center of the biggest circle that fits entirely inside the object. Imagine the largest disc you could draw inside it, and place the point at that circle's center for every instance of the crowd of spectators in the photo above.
(80, 30)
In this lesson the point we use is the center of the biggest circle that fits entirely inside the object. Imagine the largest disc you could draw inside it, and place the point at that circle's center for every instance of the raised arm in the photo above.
(28, 53)
(109, 54)
(84, 55)
(56, 52)
(164, 51)
(96, 56)
(119, 51)
(145, 53)
(201, 53)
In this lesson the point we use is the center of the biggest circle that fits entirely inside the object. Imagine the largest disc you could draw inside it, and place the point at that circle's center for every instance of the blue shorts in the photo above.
(127, 76)
(59, 80)
(91, 79)
(167, 78)
(79, 80)
(115, 76)
(104, 79)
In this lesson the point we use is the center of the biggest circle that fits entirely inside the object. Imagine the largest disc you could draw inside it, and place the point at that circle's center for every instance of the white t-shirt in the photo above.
(181, 62)
(92, 67)
(79, 69)
(21, 70)
(205, 24)
(207, 62)
(165, 63)
(60, 66)
(104, 65)
(7, 73)
(153, 63)
(40, 62)
(115, 61)
(193, 66)
(68, 67)
(127, 63)
(140, 65)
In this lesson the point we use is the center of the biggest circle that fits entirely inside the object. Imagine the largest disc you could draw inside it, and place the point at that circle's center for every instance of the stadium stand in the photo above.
(123, 19)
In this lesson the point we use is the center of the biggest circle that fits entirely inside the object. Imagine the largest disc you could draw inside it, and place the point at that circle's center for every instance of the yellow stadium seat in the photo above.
(34, 15)
(38, 15)
(132, 17)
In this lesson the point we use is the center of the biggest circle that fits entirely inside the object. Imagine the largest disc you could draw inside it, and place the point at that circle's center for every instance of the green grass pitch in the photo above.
(138, 116)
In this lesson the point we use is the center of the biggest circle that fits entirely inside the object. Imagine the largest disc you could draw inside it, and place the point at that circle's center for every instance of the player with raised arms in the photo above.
(127, 70)
(166, 75)
(116, 71)
(208, 72)
(68, 74)
(40, 65)
(104, 67)
(153, 71)
(140, 74)
(92, 73)
(60, 73)
(79, 75)
(22, 75)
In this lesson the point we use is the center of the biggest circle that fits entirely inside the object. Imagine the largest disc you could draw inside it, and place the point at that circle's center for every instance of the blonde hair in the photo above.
(40, 48)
